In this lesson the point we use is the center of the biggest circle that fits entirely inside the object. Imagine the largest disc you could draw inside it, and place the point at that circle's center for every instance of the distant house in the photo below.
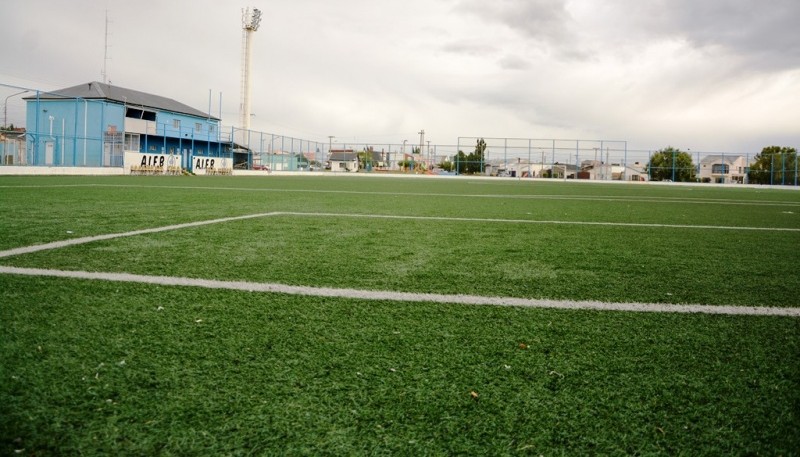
(349, 160)
(343, 160)
(97, 124)
(562, 171)
(724, 169)
(12, 147)
(525, 170)
(596, 170)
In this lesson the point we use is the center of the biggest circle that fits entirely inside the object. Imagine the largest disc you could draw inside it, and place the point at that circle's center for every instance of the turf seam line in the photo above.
(372, 295)
(610, 198)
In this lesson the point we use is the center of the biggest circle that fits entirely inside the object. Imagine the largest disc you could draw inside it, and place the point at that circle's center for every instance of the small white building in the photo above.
(343, 160)
(724, 169)
(614, 172)
(524, 169)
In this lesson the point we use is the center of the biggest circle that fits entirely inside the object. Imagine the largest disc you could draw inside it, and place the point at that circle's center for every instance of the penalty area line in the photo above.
(109, 236)
(358, 294)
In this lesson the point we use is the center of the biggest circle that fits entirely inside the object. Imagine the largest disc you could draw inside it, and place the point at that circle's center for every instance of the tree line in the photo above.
(773, 165)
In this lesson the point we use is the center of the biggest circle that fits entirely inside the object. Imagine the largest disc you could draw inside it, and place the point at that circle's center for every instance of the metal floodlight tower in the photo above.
(251, 19)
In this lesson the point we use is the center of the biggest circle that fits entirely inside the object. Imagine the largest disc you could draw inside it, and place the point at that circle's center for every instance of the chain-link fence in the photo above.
(61, 130)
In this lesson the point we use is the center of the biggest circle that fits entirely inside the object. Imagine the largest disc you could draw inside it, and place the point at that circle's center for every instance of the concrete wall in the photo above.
(62, 171)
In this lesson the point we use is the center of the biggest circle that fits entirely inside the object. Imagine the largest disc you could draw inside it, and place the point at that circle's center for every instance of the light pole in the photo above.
(5, 107)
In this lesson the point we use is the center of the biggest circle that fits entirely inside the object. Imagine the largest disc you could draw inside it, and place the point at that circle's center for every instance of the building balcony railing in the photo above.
(140, 126)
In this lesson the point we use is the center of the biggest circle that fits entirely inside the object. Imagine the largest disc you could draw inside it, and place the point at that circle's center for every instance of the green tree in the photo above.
(446, 165)
(460, 163)
(775, 165)
(474, 162)
(365, 159)
(671, 164)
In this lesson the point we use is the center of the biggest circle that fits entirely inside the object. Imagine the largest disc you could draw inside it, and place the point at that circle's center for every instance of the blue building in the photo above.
(95, 124)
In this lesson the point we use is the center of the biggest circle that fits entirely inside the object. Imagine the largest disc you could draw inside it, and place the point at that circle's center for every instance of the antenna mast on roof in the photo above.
(251, 19)
(104, 73)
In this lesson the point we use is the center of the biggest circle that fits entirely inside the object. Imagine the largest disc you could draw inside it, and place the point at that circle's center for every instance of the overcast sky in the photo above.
(705, 75)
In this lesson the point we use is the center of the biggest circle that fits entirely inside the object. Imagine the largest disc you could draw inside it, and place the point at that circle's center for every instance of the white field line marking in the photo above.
(606, 198)
(529, 221)
(89, 239)
(109, 236)
(357, 294)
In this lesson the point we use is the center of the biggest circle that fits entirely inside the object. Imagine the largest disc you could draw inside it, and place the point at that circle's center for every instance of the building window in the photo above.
(198, 127)
(176, 124)
(210, 128)
(719, 169)
(136, 113)
(132, 142)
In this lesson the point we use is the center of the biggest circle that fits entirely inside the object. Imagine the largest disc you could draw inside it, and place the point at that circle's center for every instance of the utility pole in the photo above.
(421, 140)
(430, 159)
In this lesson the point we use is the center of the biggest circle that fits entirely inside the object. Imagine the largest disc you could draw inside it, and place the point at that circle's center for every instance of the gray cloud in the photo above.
(762, 34)
(469, 48)
(545, 23)
(539, 19)
(702, 73)
(511, 62)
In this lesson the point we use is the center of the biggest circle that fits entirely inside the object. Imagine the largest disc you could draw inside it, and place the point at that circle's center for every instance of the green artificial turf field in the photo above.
(109, 367)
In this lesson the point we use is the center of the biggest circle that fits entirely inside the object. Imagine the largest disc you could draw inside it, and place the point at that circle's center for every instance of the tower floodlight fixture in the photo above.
(251, 19)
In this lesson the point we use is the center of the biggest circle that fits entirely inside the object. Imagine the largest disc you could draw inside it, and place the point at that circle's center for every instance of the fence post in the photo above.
(674, 157)
(625, 163)
(783, 169)
(771, 167)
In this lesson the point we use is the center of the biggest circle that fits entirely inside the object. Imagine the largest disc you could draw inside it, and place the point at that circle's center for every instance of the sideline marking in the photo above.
(405, 296)
(89, 239)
